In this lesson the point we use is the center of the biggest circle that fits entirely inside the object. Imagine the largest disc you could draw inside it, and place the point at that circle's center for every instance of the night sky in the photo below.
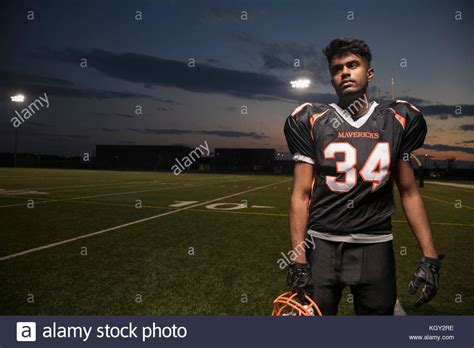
(243, 53)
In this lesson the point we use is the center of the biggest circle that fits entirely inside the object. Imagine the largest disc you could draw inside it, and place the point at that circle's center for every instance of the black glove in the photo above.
(428, 273)
(300, 281)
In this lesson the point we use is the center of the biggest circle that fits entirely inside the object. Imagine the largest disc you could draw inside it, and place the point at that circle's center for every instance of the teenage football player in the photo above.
(348, 156)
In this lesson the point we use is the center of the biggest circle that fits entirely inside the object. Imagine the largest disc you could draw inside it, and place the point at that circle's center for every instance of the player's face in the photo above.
(350, 74)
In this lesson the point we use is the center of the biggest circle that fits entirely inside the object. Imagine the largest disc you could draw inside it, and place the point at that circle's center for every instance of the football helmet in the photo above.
(288, 303)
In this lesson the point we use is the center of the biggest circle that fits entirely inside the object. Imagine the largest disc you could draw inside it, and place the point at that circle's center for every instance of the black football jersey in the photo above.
(353, 160)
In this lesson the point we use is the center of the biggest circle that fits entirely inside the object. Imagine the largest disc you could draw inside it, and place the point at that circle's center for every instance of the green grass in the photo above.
(148, 267)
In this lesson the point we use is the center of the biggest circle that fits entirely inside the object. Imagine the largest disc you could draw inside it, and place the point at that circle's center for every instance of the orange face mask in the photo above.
(289, 304)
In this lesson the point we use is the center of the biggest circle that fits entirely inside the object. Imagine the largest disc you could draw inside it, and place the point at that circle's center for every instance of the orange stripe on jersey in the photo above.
(409, 104)
(313, 118)
(400, 118)
(299, 108)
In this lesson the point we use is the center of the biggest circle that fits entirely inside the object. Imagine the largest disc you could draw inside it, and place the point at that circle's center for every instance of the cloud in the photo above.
(221, 14)
(119, 114)
(273, 61)
(229, 13)
(441, 147)
(167, 101)
(213, 61)
(447, 110)
(151, 71)
(10, 78)
(113, 114)
(32, 85)
(203, 78)
(221, 133)
(110, 130)
(442, 111)
(281, 58)
(56, 135)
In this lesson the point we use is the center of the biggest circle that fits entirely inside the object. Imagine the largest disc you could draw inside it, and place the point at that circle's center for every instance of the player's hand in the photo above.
(299, 279)
(427, 272)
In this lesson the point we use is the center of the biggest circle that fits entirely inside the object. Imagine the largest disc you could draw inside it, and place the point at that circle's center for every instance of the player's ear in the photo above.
(370, 74)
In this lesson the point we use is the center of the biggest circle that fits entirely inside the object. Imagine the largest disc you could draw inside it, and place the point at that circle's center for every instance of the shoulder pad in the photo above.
(404, 111)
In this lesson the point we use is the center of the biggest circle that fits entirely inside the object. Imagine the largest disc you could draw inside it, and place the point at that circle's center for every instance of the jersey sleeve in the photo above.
(414, 126)
(298, 134)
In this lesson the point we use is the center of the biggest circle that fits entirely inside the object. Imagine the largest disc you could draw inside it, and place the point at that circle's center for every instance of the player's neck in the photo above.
(355, 106)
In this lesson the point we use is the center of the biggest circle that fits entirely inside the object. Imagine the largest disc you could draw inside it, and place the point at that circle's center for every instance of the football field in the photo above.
(76, 242)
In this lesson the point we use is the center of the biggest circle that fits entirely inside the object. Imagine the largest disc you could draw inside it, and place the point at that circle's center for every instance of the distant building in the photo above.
(244, 160)
(141, 157)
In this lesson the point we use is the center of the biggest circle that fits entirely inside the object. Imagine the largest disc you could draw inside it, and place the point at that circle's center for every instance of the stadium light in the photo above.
(19, 98)
(300, 83)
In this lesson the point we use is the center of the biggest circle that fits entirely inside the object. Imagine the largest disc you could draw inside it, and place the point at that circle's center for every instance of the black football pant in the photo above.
(369, 270)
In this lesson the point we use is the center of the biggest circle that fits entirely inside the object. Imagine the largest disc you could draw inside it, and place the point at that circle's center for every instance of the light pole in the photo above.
(19, 98)
(300, 85)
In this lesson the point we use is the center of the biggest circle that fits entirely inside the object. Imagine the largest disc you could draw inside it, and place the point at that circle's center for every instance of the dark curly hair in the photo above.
(343, 45)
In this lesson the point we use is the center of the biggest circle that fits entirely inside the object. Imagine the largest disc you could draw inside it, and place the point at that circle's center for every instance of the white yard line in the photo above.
(447, 202)
(118, 183)
(43, 200)
(90, 185)
(450, 184)
(3, 258)
(95, 196)
(128, 185)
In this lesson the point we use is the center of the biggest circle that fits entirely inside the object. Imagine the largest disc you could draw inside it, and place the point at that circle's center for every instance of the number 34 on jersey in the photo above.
(376, 168)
